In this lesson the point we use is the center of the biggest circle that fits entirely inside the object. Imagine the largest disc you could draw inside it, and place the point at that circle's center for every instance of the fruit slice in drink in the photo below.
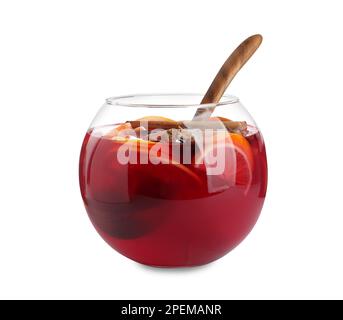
(163, 177)
(155, 118)
(245, 160)
(234, 162)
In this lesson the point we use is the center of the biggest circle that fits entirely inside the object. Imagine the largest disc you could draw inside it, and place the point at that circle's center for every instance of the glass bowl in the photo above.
(165, 189)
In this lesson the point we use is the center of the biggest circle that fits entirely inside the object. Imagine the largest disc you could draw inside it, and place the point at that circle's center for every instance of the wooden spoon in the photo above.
(227, 72)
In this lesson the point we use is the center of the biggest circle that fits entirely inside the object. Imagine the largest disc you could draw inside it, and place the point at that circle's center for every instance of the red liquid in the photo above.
(162, 215)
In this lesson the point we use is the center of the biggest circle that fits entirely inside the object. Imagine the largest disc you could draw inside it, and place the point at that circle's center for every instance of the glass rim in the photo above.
(124, 101)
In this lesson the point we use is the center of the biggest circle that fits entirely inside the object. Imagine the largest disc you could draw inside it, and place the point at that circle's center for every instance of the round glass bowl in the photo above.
(167, 190)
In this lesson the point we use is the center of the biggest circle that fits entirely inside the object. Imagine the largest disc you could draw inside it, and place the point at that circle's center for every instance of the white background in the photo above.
(59, 60)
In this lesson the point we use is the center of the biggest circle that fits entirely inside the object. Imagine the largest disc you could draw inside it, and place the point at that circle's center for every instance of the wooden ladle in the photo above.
(227, 72)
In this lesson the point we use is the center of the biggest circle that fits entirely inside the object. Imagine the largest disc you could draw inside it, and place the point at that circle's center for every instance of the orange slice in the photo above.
(168, 179)
(239, 161)
(155, 118)
(245, 159)
(219, 119)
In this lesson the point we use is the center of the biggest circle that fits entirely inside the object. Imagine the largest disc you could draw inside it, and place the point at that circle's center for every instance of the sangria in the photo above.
(168, 190)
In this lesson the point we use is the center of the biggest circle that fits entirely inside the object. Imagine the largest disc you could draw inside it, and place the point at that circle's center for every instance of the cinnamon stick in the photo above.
(232, 126)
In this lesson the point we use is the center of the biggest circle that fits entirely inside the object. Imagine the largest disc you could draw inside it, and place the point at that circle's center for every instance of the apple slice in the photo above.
(120, 132)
